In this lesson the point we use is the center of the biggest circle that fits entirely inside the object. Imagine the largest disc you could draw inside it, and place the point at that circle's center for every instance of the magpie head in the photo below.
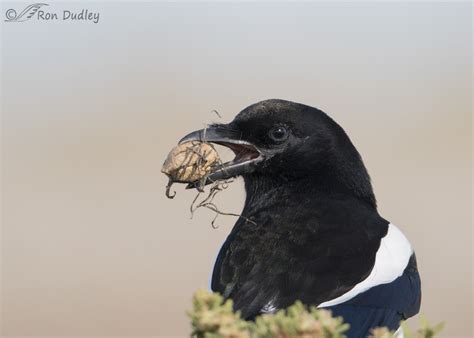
(284, 142)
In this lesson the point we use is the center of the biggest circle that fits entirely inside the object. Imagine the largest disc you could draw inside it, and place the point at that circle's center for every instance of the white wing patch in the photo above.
(270, 307)
(390, 261)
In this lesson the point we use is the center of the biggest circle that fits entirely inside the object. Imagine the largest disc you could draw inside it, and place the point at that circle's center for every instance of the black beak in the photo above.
(247, 155)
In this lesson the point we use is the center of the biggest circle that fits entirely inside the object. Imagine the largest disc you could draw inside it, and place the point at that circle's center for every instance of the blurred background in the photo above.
(90, 244)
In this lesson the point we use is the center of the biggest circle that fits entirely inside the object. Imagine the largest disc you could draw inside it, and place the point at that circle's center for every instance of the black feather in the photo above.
(315, 228)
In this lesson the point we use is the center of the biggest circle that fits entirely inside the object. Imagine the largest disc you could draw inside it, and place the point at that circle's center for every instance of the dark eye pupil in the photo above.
(278, 133)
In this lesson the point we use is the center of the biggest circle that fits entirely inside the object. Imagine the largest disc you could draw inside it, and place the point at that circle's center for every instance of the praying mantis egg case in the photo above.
(190, 161)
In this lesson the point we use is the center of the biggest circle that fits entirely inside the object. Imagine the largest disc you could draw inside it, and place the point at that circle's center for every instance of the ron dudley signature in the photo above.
(42, 12)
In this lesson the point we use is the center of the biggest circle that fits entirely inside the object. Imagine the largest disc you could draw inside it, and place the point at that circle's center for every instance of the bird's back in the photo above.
(333, 252)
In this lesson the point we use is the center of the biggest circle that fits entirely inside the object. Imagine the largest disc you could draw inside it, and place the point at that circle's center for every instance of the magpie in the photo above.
(310, 229)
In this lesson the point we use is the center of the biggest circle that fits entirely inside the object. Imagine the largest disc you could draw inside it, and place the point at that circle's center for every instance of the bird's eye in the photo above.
(278, 134)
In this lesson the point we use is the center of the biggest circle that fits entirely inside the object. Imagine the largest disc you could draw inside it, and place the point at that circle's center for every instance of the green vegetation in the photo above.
(211, 317)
